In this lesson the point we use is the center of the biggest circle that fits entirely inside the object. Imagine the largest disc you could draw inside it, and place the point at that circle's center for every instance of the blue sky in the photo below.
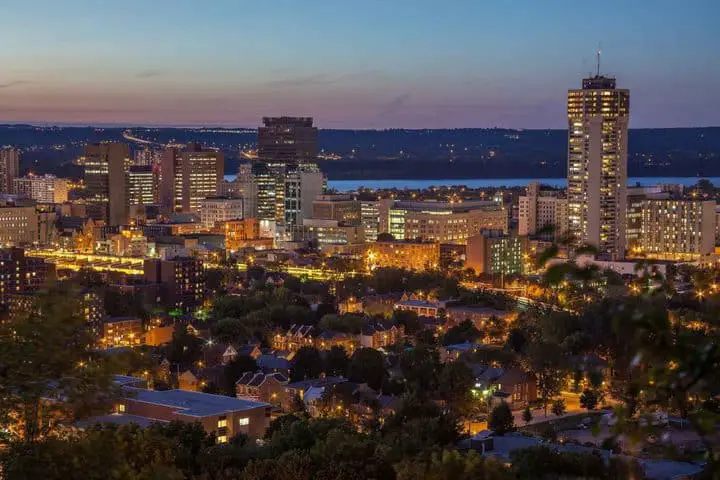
(353, 64)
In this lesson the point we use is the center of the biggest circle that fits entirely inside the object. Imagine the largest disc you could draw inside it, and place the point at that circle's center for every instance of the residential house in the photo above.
(262, 387)
(296, 337)
(328, 339)
(380, 334)
(422, 308)
(516, 387)
(268, 363)
(312, 389)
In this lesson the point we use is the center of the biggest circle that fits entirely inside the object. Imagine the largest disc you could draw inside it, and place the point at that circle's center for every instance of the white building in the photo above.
(220, 209)
(42, 188)
(301, 188)
(539, 210)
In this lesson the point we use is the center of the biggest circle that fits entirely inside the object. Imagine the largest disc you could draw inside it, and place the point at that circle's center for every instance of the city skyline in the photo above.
(397, 64)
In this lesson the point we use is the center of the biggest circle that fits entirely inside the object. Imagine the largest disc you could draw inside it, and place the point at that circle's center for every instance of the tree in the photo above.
(367, 365)
(230, 330)
(420, 366)
(307, 364)
(48, 374)
(342, 323)
(464, 332)
(558, 407)
(527, 415)
(546, 361)
(336, 361)
(451, 464)
(454, 384)
(409, 320)
(501, 419)
(184, 349)
(589, 399)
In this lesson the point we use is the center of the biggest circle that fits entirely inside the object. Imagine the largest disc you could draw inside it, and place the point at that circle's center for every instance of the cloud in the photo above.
(14, 83)
(321, 79)
(148, 74)
(394, 105)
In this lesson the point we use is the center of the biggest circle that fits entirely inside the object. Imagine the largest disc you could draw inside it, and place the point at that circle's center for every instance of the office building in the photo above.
(18, 223)
(9, 168)
(493, 252)
(303, 184)
(42, 188)
(105, 182)
(220, 209)
(326, 233)
(598, 116)
(542, 213)
(444, 222)
(21, 274)
(201, 173)
(142, 185)
(342, 208)
(677, 230)
(370, 219)
(289, 140)
(408, 254)
(181, 281)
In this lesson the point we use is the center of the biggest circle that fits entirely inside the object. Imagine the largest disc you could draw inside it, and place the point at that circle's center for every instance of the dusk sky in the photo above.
(353, 64)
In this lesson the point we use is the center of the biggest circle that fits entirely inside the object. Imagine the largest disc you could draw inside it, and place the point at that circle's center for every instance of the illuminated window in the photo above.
(222, 439)
(244, 421)
(222, 423)
(121, 408)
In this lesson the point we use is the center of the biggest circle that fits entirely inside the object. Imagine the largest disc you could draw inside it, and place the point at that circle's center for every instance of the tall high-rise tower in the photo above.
(106, 182)
(287, 140)
(598, 117)
(9, 168)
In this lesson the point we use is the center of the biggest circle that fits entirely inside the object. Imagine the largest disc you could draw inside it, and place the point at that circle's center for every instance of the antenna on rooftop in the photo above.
(599, 52)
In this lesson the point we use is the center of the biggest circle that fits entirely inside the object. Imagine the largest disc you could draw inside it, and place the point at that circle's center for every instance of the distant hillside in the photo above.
(421, 154)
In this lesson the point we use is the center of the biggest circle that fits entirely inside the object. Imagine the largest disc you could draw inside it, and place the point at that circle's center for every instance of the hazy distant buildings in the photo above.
(598, 115)
(42, 188)
(287, 140)
(105, 182)
(542, 211)
(9, 168)
(678, 230)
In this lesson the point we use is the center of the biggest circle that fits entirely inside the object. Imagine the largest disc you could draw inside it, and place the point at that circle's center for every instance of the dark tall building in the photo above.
(106, 182)
(169, 165)
(9, 168)
(287, 140)
(181, 281)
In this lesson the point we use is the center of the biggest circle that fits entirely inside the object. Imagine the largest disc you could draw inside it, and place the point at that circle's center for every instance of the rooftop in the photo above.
(194, 404)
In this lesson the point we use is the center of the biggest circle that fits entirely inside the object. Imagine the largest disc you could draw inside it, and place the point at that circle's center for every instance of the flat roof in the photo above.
(119, 419)
(196, 404)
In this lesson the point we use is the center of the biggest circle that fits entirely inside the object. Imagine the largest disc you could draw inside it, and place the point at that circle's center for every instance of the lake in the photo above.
(350, 185)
